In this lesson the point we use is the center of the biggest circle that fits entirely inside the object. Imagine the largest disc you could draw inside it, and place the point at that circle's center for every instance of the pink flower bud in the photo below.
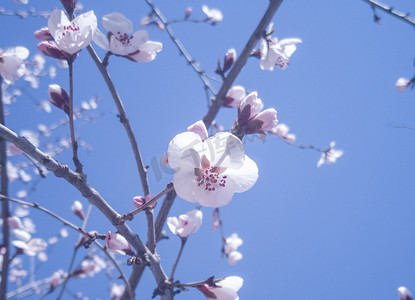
(230, 58)
(250, 106)
(77, 209)
(50, 48)
(118, 244)
(268, 118)
(200, 129)
(188, 13)
(43, 34)
(141, 200)
(404, 293)
(59, 97)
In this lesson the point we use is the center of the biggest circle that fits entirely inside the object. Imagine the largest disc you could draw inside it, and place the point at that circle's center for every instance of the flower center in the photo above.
(69, 29)
(211, 178)
(124, 38)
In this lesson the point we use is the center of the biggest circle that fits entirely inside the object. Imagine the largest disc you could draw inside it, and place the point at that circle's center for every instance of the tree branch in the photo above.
(79, 182)
(389, 9)
(241, 61)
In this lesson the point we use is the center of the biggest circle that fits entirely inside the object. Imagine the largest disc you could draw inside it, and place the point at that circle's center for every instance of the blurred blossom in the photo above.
(22, 1)
(52, 72)
(146, 20)
(22, 235)
(12, 172)
(72, 36)
(212, 14)
(28, 225)
(234, 257)
(45, 105)
(210, 171)
(21, 211)
(43, 130)
(232, 243)
(187, 13)
(56, 279)
(24, 176)
(90, 267)
(118, 244)
(281, 130)
(31, 136)
(215, 225)
(42, 256)
(135, 47)
(35, 246)
(63, 232)
(330, 156)
(53, 240)
(234, 96)
(402, 84)
(77, 209)
(225, 289)
(12, 63)
(117, 291)
(22, 194)
(185, 224)
(404, 293)
(277, 53)
(15, 223)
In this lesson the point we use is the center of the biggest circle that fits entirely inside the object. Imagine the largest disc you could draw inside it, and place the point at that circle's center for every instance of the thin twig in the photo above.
(183, 242)
(65, 282)
(181, 48)
(240, 62)
(39, 169)
(5, 204)
(389, 9)
(76, 161)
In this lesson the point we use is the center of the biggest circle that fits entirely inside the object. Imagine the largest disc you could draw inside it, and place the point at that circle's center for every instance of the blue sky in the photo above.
(337, 232)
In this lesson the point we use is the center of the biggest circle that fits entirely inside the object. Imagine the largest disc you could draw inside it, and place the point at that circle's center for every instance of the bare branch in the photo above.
(388, 9)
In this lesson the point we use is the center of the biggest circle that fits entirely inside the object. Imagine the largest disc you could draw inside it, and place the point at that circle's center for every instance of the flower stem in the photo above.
(183, 239)
(5, 204)
(76, 161)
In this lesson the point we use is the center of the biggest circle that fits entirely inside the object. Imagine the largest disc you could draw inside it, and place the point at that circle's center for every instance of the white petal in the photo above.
(185, 185)
(172, 223)
(117, 23)
(245, 177)
(224, 150)
(101, 39)
(233, 282)
(217, 198)
(178, 154)
(57, 19)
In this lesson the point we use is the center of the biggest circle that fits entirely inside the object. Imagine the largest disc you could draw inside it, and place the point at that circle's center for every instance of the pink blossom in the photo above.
(185, 224)
(135, 47)
(72, 36)
(281, 130)
(117, 243)
(200, 129)
(117, 291)
(232, 243)
(225, 289)
(56, 278)
(187, 13)
(212, 14)
(141, 200)
(234, 256)
(43, 34)
(404, 293)
(230, 58)
(330, 156)
(234, 96)
(210, 171)
(15, 223)
(277, 53)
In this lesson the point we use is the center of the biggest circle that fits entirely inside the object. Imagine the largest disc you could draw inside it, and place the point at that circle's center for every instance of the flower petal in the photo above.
(245, 177)
(117, 23)
(101, 40)
(185, 149)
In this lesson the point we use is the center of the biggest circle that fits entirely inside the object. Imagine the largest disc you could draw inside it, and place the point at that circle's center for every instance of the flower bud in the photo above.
(77, 209)
(404, 293)
(250, 106)
(51, 49)
(230, 58)
(43, 34)
(234, 96)
(188, 13)
(141, 200)
(59, 97)
(268, 118)
(117, 244)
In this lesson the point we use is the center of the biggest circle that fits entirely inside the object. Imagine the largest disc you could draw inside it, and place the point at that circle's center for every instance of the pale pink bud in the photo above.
(230, 58)
(269, 119)
(290, 138)
(59, 97)
(200, 129)
(54, 280)
(141, 200)
(402, 84)
(50, 48)
(117, 244)
(404, 293)
(146, 20)
(15, 223)
(78, 209)
(188, 13)
(234, 96)
(250, 106)
(43, 34)
(215, 225)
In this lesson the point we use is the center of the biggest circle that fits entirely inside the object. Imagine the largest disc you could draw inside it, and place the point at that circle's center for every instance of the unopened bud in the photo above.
(230, 58)
(77, 209)
(404, 293)
(118, 244)
(139, 201)
(69, 5)
(43, 34)
(188, 13)
(59, 97)
(51, 49)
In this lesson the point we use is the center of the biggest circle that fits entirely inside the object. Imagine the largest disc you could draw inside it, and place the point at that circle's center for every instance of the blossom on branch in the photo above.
(404, 293)
(330, 156)
(135, 47)
(402, 84)
(117, 243)
(232, 244)
(225, 289)
(185, 224)
(12, 63)
(210, 171)
(234, 96)
(72, 36)
(78, 209)
(282, 130)
(212, 14)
